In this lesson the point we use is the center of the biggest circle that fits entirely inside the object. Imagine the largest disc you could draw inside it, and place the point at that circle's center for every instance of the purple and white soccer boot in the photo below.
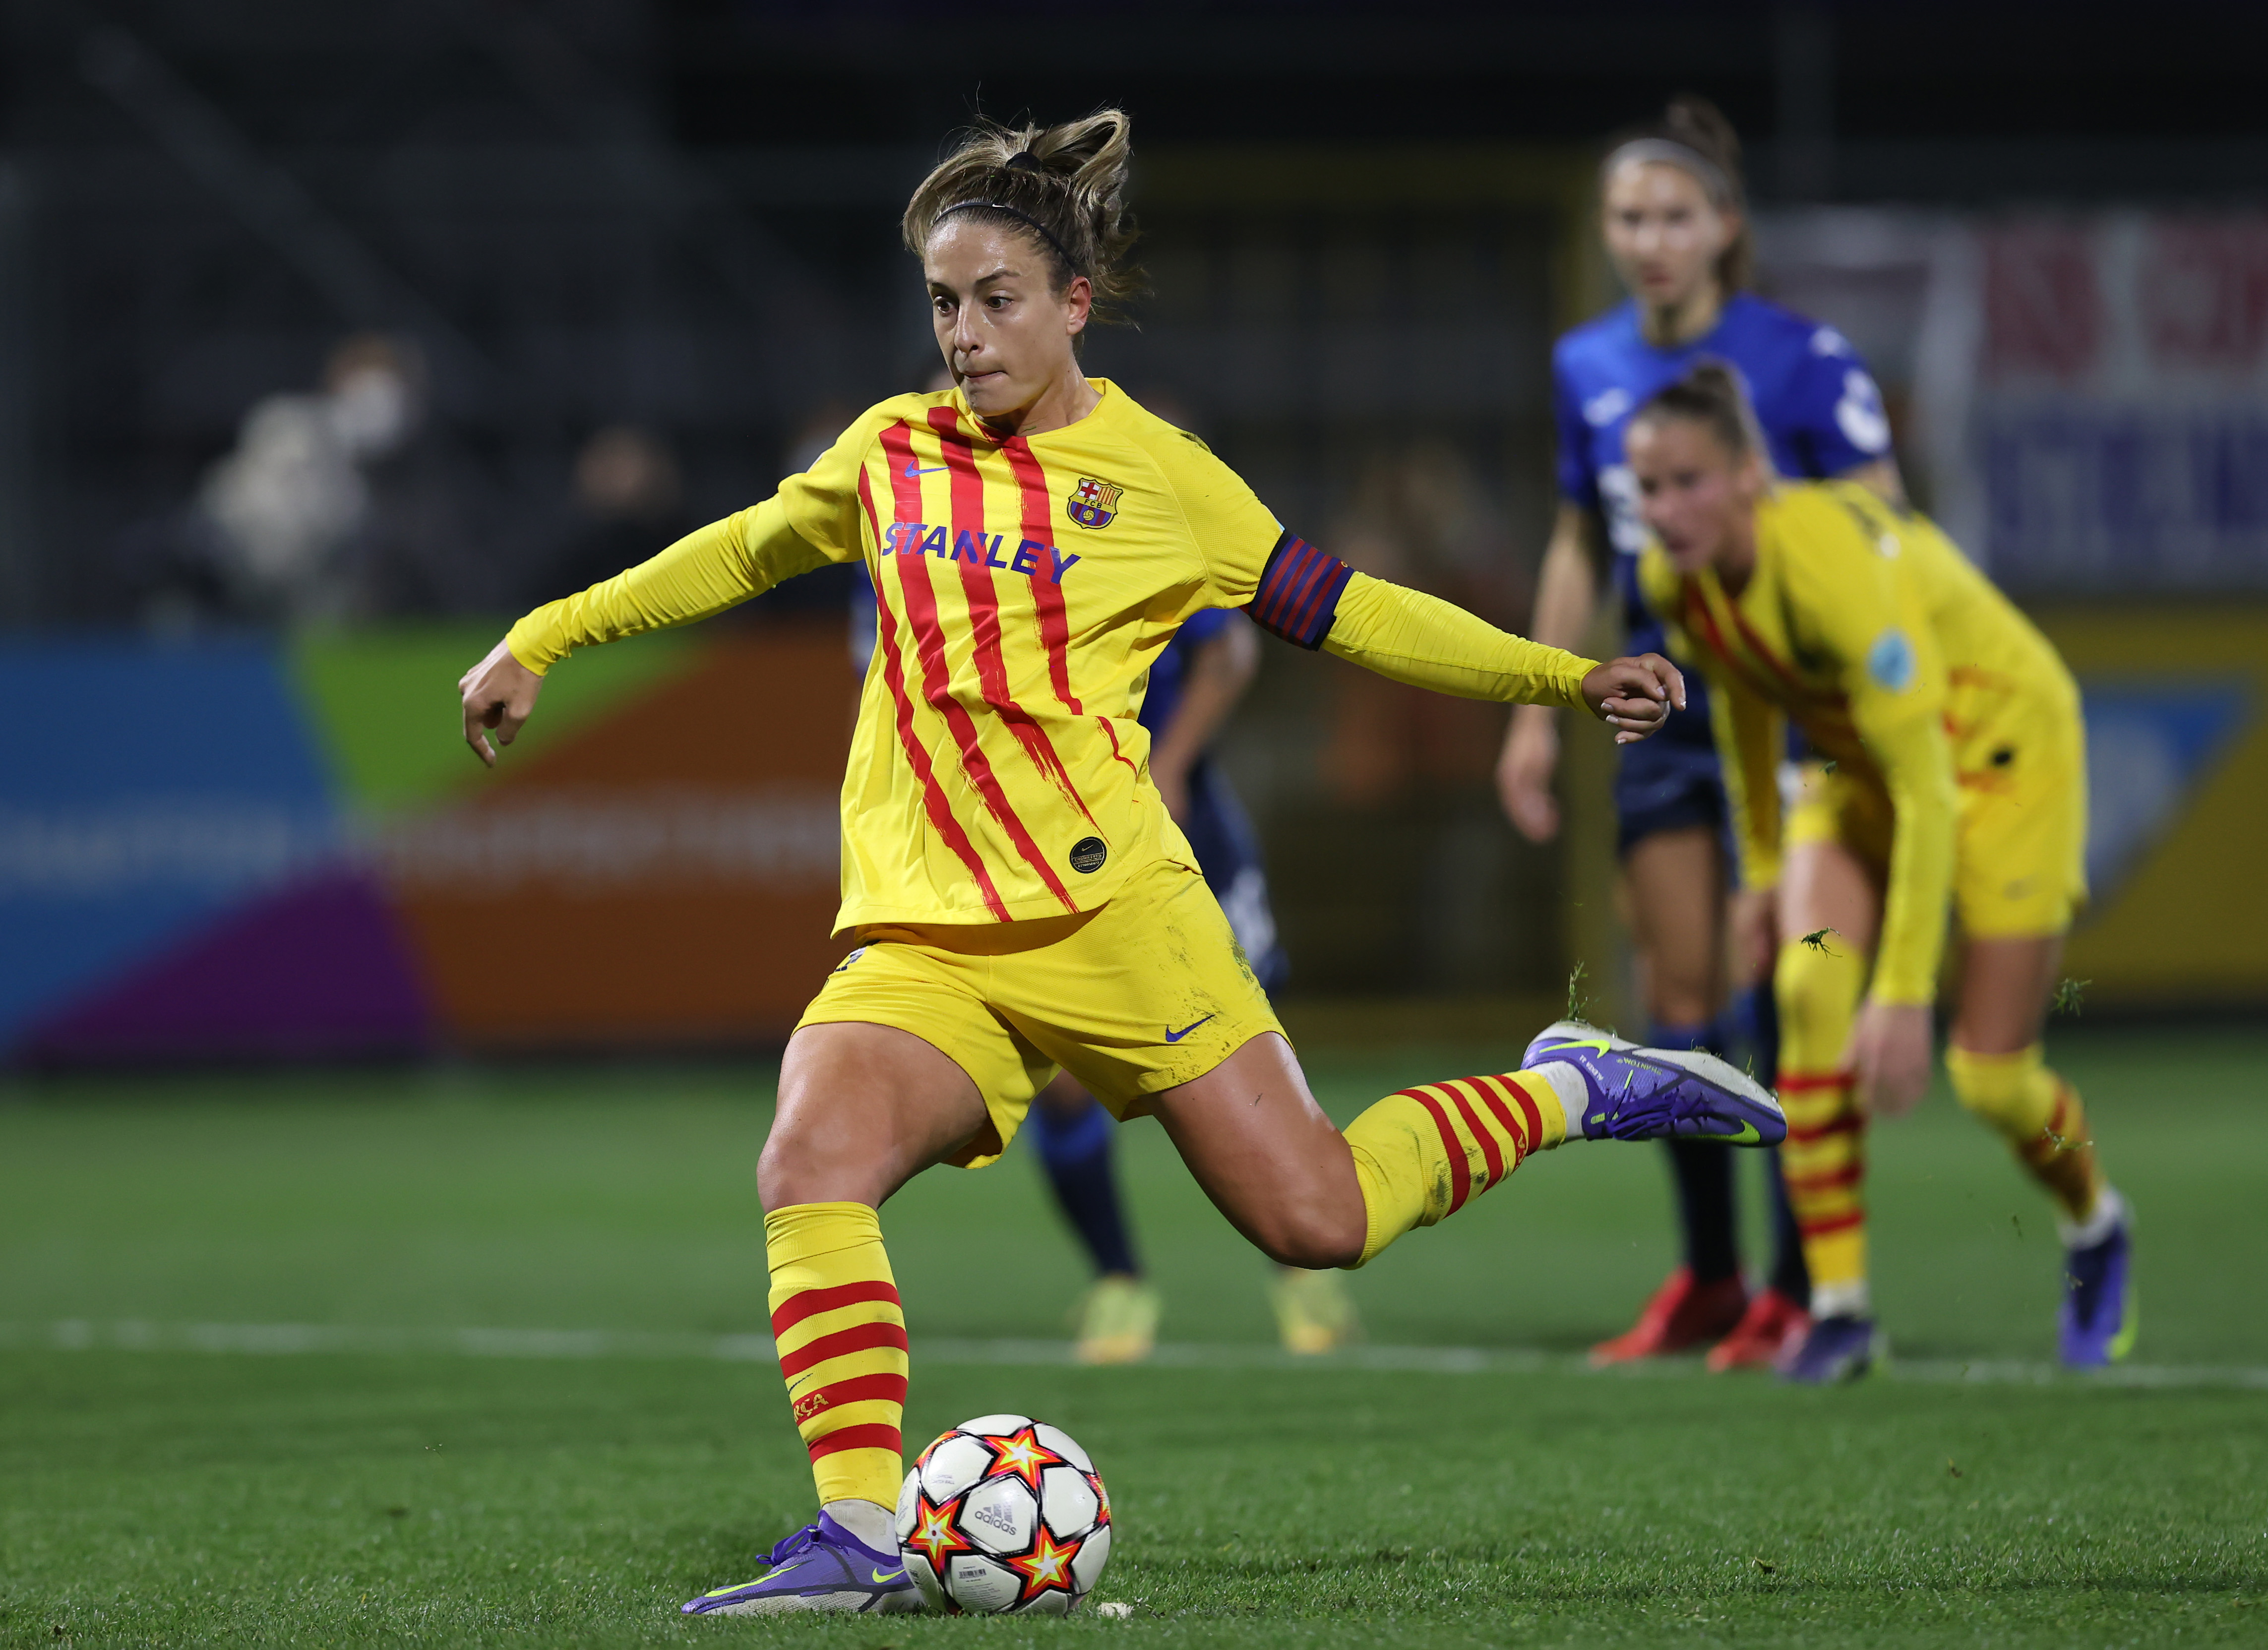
(822, 1566)
(2098, 1319)
(1638, 1093)
(1834, 1350)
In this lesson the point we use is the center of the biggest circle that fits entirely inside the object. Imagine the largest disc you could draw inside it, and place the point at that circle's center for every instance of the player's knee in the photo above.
(802, 1165)
(1314, 1235)
(2014, 1093)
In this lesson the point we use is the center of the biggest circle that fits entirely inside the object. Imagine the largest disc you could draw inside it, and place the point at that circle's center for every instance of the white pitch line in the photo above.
(136, 1335)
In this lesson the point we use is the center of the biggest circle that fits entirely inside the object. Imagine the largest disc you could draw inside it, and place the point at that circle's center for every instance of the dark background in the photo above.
(681, 216)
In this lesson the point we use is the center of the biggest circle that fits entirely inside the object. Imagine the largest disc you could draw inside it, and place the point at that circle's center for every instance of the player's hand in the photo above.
(1634, 696)
(1755, 935)
(499, 692)
(1523, 773)
(1890, 1054)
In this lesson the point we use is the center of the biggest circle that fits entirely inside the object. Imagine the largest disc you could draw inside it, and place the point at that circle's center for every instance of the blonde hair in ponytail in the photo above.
(1062, 187)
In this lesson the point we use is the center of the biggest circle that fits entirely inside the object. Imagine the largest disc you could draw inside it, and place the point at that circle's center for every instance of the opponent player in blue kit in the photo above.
(1673, 215)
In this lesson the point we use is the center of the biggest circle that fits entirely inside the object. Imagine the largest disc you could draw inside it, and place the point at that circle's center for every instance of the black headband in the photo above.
(1046, 233)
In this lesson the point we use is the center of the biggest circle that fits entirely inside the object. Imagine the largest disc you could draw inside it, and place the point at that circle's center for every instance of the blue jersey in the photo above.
(1818, 406)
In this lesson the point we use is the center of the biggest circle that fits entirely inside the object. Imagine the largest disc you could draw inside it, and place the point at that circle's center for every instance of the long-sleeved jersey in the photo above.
(1023, 586)
(1901, 662)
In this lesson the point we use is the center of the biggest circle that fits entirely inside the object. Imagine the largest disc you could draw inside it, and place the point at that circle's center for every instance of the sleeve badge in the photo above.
(1892, 662)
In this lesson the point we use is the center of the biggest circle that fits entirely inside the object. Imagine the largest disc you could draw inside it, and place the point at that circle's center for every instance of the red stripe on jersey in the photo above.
(936, 685)
(1115, 751)
(984, 608)
(934, 802)
(803, 1304)
(1491, 1152)
(1786, 672)
(1696, 603)
(872, 1437)
(1461, 1174)
(864, 1337)
(1037, 524)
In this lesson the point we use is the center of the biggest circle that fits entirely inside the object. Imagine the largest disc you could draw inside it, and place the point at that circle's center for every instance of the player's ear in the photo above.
(1079, 304)
(1729, 225)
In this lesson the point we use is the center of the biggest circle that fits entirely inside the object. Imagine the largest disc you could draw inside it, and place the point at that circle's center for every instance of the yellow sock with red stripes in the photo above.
(2039, 1115)
(1423, 1155)
(842, 1341)
(1824, 1160)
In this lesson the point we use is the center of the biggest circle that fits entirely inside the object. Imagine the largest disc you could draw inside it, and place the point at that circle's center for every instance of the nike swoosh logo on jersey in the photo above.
(1175, 1036)
(916, 470)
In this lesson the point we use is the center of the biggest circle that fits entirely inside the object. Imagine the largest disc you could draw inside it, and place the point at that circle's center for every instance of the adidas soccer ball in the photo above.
(1004, 1512)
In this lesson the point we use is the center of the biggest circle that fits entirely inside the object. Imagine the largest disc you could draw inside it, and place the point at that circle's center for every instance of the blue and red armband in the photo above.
(1298, 593)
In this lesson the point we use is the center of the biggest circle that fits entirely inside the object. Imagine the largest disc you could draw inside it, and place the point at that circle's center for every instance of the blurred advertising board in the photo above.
(2177, 704)
(246, 849)
(2082, 398)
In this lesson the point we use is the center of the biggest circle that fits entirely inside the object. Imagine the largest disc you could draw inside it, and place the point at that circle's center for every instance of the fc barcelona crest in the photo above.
(1092, 504)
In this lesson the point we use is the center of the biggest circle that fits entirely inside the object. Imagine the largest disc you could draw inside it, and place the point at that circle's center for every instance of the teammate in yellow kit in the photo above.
(1020, 897)
(1952, 771)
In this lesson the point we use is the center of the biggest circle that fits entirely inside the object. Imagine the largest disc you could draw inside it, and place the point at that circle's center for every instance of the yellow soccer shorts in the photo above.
(1148, 992)
(2020, 858)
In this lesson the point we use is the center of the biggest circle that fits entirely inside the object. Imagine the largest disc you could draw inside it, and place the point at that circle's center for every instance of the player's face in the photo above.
(1695, 495)
(1663, 231)
(1005, 335)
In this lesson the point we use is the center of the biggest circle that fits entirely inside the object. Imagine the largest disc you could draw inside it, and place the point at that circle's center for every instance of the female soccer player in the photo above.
(1671, 206)
(1020, 898)
(1953, 772)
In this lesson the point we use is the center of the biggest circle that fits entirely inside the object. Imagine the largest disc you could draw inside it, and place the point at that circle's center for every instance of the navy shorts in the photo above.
(1670, 782)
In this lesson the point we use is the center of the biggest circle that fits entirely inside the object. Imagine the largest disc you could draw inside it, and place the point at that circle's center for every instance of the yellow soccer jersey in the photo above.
(1023, 586)
(1901, 663)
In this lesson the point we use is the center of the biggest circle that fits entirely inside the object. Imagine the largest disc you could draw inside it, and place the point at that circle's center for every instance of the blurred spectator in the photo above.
(1420, 516)
(629, 503)
(279, 513)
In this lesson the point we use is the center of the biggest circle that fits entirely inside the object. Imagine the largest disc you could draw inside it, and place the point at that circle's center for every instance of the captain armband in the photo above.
(1298, 593)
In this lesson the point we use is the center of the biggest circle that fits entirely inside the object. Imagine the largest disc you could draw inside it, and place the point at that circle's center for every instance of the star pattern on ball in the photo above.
(1102, 1499)
(1021, 1454)
(1046, 1567)
(934, 1533)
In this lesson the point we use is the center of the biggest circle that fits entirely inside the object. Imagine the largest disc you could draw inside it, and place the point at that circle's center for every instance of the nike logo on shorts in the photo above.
(1175, 1036)
(915, 468)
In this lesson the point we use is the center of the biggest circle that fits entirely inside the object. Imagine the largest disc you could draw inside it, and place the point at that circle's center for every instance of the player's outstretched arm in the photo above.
(1407, 636)
(706, 572)
(500, 695)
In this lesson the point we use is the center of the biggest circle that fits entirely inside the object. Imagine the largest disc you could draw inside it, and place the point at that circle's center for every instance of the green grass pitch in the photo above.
(404, 1490)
